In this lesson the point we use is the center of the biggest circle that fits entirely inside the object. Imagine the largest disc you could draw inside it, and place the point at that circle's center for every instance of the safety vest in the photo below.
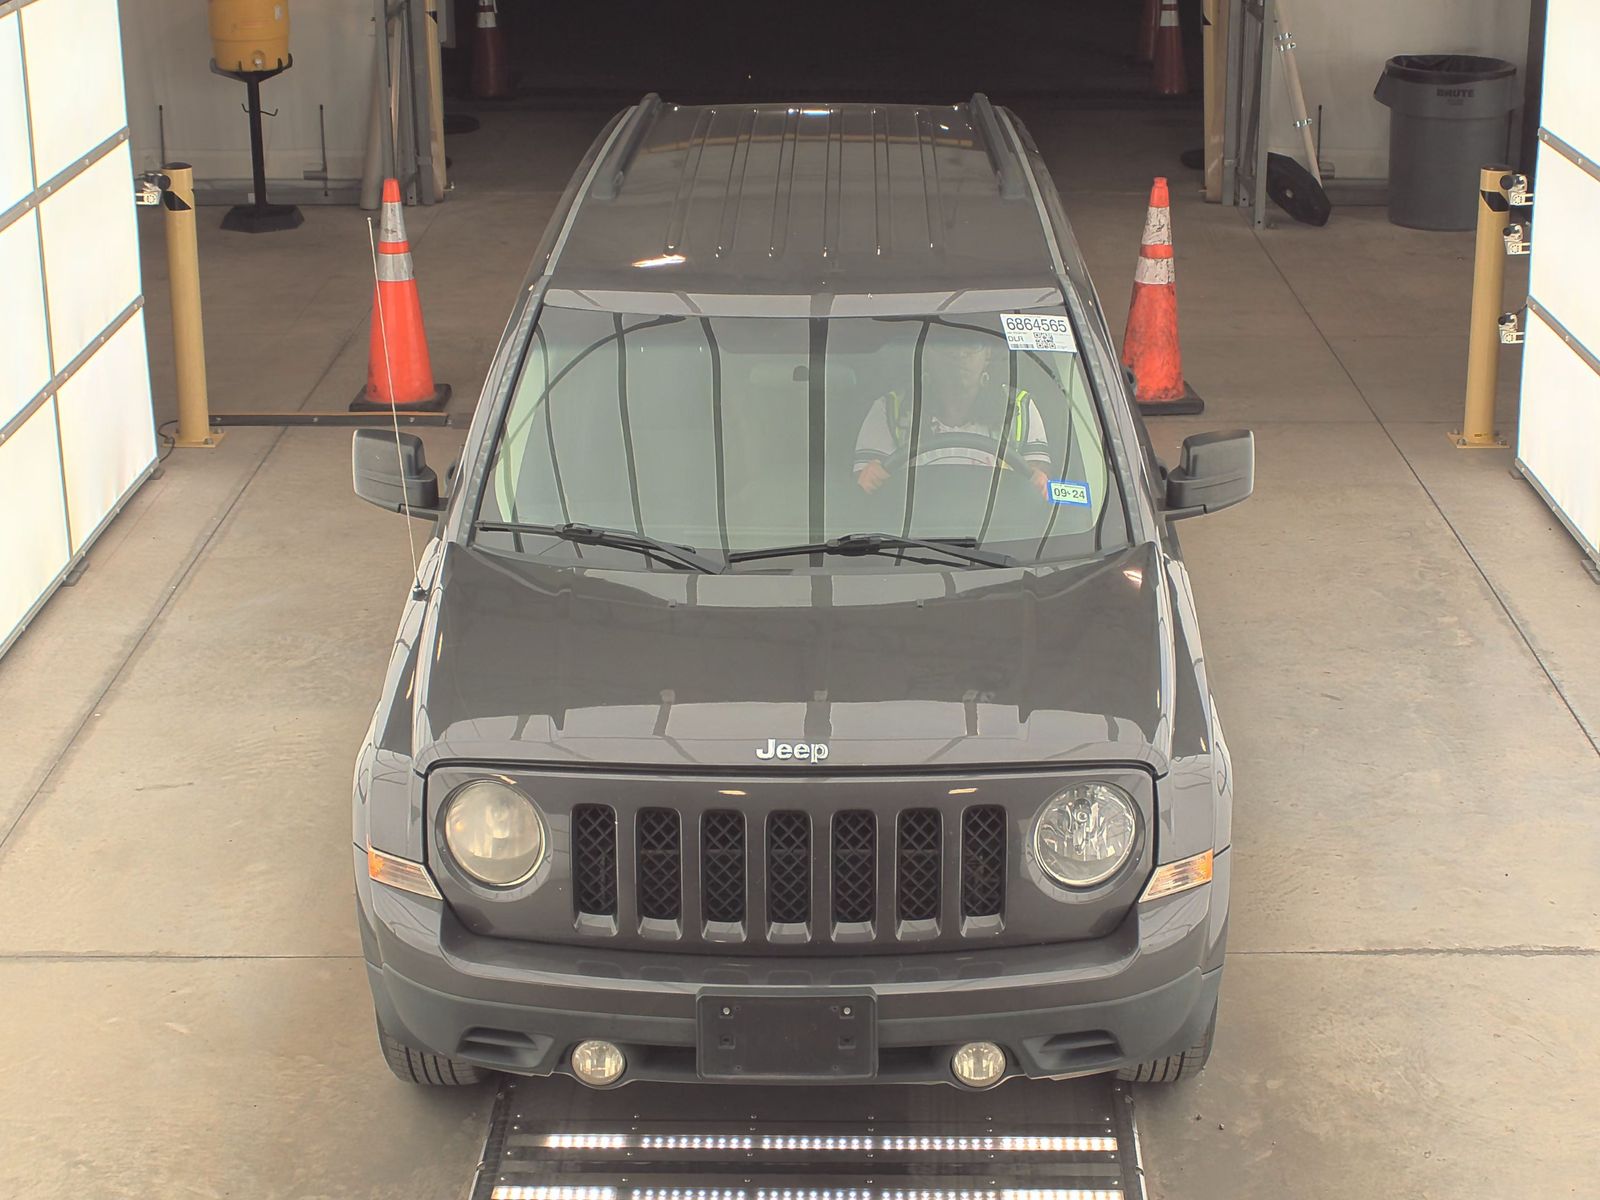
(900, 418)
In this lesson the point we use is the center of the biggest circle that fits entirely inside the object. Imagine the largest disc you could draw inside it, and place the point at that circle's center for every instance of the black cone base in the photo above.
(262, 218)
(1187, 405)
(434, 403)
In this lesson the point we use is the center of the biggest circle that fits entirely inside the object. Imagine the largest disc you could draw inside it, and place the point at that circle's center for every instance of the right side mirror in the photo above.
(390, 470)
(1218, 470)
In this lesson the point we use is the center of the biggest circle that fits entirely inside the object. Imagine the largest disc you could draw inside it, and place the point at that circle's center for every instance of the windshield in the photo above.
(732, 434)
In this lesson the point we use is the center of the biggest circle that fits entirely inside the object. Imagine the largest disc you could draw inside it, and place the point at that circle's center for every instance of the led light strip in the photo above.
(1008, 1143)
(567, 1192)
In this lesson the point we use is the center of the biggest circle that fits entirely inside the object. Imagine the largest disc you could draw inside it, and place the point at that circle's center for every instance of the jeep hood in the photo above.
(530, 662)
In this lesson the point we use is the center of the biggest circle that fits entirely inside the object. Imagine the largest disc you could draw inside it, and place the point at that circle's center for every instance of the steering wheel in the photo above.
(1007, 451)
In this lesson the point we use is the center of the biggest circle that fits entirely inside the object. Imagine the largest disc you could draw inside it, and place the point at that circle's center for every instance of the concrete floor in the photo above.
(1401, 635)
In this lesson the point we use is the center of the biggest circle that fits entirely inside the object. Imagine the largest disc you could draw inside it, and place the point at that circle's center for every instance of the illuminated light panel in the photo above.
(661, 260)
(1179, 876)
(401, 873)
(586, 1141)
(571, 1192)
(837, 1143)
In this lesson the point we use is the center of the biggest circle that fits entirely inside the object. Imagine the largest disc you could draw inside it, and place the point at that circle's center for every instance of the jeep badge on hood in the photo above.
(805, 751)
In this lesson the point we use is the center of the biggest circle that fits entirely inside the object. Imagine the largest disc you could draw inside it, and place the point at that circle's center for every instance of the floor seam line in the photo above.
(1431, 952)
(172, 593)
(1522, 633)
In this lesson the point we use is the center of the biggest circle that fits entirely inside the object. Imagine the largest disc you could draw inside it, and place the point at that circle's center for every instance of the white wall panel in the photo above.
(1558, 426)
(1569, 110)
(74, 53)
(1558, 438)
(1566, 259)
(91, 253)
(24, 357)
(107, 438)
(16, 168)
(35, 544)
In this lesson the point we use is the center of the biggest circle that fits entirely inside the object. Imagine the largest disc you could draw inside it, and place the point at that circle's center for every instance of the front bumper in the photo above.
(1143, 992)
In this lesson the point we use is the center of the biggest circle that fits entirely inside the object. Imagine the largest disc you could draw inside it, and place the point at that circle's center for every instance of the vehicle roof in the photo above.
(805, 200)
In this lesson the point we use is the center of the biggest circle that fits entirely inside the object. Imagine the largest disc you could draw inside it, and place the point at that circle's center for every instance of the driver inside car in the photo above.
(963, 394)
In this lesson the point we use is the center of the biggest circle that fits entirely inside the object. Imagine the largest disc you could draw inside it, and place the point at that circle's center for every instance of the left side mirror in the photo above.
(1218, 471)
(391, 471)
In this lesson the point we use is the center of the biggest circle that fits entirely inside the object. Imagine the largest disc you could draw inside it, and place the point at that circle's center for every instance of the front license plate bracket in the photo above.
(757, 1038)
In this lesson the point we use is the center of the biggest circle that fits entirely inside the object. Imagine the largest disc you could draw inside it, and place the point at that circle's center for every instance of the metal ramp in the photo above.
(554, 1140)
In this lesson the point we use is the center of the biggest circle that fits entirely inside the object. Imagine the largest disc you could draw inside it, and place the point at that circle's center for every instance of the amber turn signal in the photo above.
(1179, 876)
(400, 873)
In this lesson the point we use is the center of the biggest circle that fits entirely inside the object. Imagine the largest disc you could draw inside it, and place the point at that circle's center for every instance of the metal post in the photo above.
(1488, 293)
(188, 332)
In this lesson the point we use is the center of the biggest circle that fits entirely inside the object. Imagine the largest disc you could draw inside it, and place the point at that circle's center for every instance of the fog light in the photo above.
(599, 1064)
(979, 1064)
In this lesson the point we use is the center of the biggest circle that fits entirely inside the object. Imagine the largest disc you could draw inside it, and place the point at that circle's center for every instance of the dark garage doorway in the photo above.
(878, 49)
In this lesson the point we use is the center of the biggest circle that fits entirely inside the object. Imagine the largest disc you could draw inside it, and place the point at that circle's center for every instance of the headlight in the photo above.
(1083, 834)
(493, 832)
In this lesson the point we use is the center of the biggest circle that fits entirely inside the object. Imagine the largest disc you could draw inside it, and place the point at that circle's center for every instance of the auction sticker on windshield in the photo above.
(1027, 331)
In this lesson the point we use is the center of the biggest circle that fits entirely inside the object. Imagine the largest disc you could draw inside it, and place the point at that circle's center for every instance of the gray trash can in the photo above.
(1449, 116)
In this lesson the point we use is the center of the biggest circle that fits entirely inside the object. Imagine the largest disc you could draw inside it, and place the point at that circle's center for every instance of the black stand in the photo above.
(259, 217)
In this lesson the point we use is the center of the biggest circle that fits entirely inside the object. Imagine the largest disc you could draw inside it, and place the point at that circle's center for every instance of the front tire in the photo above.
(1175, 1066)
(411, 1065)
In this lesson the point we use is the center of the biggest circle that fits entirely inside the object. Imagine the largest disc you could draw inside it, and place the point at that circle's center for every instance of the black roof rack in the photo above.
(1007, 165)
(608, 179)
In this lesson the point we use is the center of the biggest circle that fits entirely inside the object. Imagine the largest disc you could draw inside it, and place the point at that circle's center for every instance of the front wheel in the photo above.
(411, 1065)
(1174, 1066)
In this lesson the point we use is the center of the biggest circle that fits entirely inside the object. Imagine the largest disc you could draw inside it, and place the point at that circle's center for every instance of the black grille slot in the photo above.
(660, 861)
(722, 866)
(855, 870)
(983, 861)
(789, 868)
(594, 859)
(917, 865)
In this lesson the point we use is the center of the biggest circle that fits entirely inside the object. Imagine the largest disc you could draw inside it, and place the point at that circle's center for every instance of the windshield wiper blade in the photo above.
(621, 539)
(962, 548)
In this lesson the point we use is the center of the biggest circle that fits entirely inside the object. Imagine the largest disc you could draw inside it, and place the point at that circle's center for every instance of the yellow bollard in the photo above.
(1488, 295)
(188, 333)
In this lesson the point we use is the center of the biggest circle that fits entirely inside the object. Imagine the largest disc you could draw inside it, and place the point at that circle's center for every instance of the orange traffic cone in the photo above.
(1145, 50)
(1170, 77)
(399, 374)
(1150, 343)
(491, 77)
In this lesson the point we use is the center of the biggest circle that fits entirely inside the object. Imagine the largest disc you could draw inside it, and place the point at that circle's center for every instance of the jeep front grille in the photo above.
(789, 868)
(722, 875)
(983, 861)
(594, 859)
(660, 852)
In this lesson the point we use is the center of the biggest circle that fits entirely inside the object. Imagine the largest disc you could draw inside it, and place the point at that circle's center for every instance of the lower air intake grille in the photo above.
(983, 861)
(594, 859)
(722, 866)
(789, 868)
(660, 864)
(917, 865)
(855, 882)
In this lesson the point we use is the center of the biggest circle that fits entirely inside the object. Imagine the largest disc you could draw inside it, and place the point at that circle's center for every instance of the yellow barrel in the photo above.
(250, 35)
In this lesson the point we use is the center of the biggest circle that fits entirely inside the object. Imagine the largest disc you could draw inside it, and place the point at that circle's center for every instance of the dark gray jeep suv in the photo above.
(802, 681)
